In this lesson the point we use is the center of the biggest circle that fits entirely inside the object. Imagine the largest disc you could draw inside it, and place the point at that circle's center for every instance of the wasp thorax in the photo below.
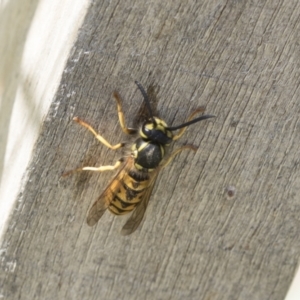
(147, 154)
(156, 130)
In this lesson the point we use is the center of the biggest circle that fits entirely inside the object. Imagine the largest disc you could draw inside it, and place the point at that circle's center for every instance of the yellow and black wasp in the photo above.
(131, 188)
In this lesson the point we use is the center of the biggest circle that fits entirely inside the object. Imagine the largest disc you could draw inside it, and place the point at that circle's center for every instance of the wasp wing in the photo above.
(102, 203)
(137, 216)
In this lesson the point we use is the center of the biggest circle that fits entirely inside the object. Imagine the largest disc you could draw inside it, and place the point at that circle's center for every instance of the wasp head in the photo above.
(156, 130)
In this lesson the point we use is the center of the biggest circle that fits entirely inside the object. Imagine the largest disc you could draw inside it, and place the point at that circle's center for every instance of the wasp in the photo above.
(131, 188)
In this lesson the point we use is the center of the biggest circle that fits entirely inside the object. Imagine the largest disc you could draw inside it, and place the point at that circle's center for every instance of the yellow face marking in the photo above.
(142, 134)
(160, 128)
(160, 122)
(150, 126)
(159, 125)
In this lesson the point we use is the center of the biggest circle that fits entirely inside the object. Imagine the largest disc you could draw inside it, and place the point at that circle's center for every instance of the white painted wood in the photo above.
(35, 42)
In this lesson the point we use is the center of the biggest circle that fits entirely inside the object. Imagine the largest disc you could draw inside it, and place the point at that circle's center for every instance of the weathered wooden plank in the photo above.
(240, 59)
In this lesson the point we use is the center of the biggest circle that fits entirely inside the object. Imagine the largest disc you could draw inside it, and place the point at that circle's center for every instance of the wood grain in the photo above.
(238, 58)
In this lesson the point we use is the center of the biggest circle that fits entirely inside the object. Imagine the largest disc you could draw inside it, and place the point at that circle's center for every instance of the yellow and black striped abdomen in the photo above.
(131, 189)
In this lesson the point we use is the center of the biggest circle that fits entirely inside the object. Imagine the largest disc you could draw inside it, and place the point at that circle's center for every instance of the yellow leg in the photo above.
(121, 115)
(99, 169)
(98, 136)
(173, 154)
(182, 130)
(103, 168)
(121, 120)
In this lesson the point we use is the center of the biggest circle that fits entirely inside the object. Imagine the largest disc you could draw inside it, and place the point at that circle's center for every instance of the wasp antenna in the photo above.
(190, 122)
(146, 98)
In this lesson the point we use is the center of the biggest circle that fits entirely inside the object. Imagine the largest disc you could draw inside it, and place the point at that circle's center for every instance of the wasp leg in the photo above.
(121, 115)
(98, 136)
(95, 169)
(173, 154)
(182, 130)
(104, 168)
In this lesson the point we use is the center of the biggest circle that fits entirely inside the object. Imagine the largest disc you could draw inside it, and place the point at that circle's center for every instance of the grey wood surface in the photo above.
(222, 223)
